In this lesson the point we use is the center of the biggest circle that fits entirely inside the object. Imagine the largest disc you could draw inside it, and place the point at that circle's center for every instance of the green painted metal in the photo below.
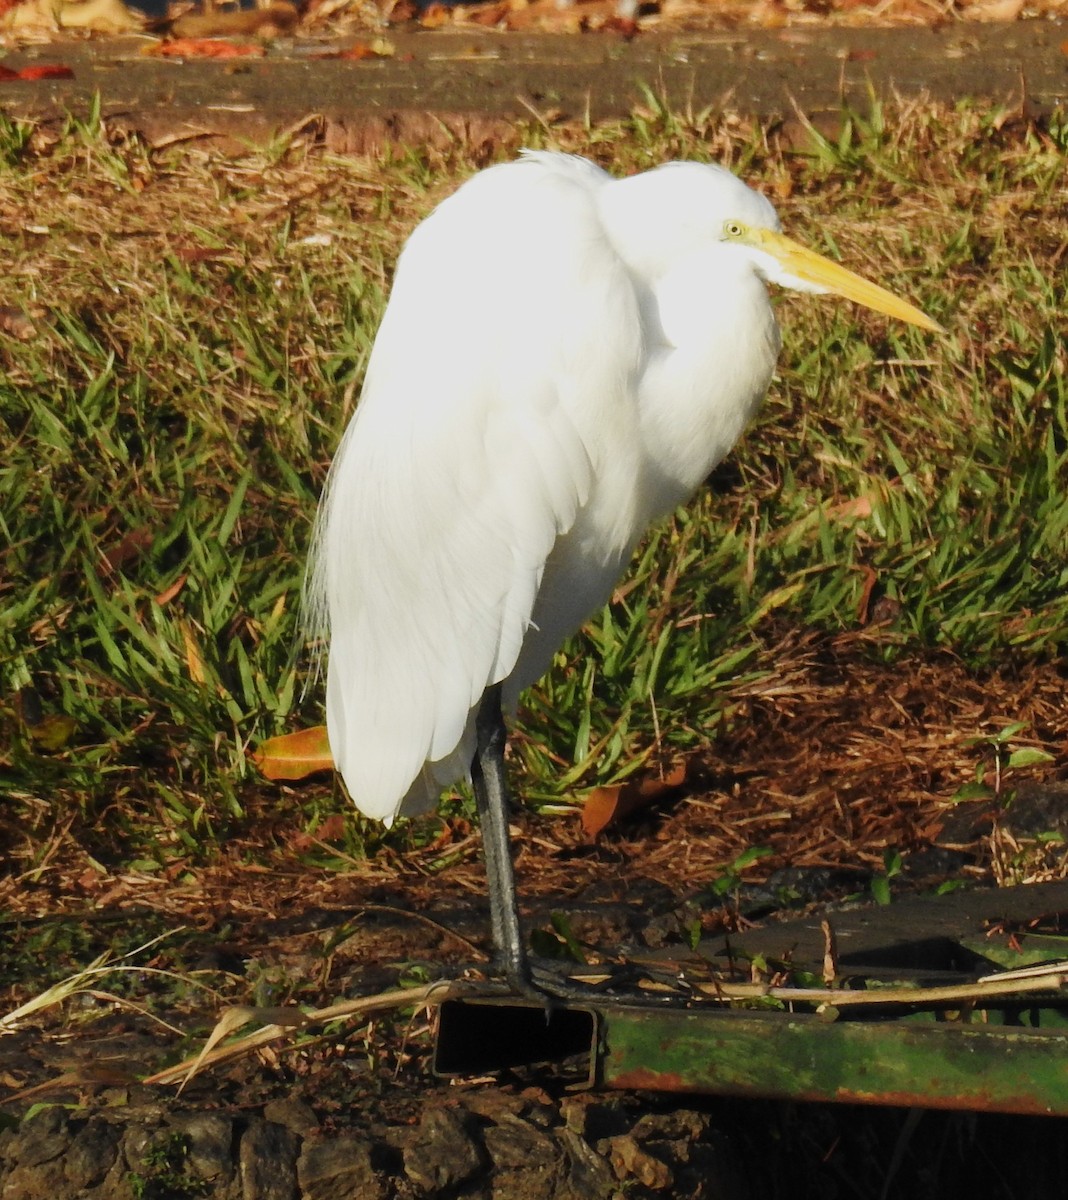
(805, 1057)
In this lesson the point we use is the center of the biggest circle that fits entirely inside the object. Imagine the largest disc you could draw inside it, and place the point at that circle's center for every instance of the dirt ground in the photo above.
(831, 762)
(472, 83)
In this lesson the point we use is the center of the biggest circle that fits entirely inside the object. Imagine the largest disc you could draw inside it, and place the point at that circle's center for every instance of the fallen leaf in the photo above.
(40, 71)
(870, 579)
(610, 805)
(294, 755)
(18, 323)
(331, 830)
(197, 254)
(194, 660)
(993, 10)
(168, 594)
(203, 48)
(434, 16)
(132, 546)
(272, 21)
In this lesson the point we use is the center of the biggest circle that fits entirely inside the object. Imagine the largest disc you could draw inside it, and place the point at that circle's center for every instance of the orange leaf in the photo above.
(168, 594)
(610, 805)
(204, 48)
(45, 71)
(294, 755)
(435, 15)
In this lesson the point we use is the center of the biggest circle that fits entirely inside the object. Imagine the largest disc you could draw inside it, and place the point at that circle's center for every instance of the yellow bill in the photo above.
(823, 274)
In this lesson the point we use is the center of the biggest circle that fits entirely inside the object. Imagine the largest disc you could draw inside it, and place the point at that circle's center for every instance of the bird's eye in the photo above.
(732, 229)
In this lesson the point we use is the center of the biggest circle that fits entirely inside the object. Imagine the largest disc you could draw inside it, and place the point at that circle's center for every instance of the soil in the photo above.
(472, 84)
(833, 761)
(836, 762)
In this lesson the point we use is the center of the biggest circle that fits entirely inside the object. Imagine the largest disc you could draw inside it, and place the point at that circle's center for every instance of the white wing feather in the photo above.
(487, 415)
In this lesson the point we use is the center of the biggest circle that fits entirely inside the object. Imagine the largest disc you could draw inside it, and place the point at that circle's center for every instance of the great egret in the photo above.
(564, 358)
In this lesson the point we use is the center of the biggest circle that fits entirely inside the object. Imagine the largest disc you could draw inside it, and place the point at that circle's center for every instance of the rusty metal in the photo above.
(943, 1024)
(782, 1056)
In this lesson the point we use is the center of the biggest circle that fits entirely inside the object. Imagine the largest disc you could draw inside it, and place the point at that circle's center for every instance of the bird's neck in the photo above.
(711, 355)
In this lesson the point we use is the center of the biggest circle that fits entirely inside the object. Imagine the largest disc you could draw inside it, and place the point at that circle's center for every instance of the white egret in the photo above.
(564, 358)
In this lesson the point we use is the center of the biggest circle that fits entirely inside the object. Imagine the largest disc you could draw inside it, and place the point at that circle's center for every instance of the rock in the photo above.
(442, 1154)
(37, 1152)
(676, 1124)
(41, 1137)
(589, 1176)
(295, 1115)
(140, 1147)
(267, 1161)
(91, 1154)
(338, 1168)
(630, 1161)
(592, 1117)
(210, 1145)
(528, 1164)
(44, 1181)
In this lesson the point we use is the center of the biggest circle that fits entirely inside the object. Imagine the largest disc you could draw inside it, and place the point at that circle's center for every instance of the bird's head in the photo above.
(667, 215)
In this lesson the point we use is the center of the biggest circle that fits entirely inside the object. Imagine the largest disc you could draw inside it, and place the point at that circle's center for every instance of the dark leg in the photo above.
(491, 796)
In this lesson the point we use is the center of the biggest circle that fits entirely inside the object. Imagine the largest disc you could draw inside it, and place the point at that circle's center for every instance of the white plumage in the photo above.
(564, 358)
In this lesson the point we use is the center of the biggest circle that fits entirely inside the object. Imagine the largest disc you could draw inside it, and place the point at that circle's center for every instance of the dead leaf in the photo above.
(198, 254)
(91, 1076)
(99, 16)
(870, 579)
(19, 323)
(194, 661)
(993, 10)
(39, 71)
(294, 755)
(168, 594)
(272, 21)
(132, 546)
(203, 48)
(435, 15)
(231, 1020)
(331, 830)
(611, 805)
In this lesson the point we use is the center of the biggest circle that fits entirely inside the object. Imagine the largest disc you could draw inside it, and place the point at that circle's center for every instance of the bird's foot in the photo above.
(550, 982)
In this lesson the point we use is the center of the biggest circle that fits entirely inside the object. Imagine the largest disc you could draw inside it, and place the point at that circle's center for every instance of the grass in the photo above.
(202, 326)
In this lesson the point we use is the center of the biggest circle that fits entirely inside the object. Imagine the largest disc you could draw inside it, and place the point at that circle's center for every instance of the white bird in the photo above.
(564, 358)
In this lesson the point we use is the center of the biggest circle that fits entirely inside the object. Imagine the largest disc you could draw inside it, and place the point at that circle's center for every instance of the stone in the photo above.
(339, 1168)
(442, 1154)
(680, 1123)
(294, 1114)
(630, 1161)
(528, 1165)
(267, 1159)
(41, 1137)
(589, 1176)
(92, 1153)
(210, 1137)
